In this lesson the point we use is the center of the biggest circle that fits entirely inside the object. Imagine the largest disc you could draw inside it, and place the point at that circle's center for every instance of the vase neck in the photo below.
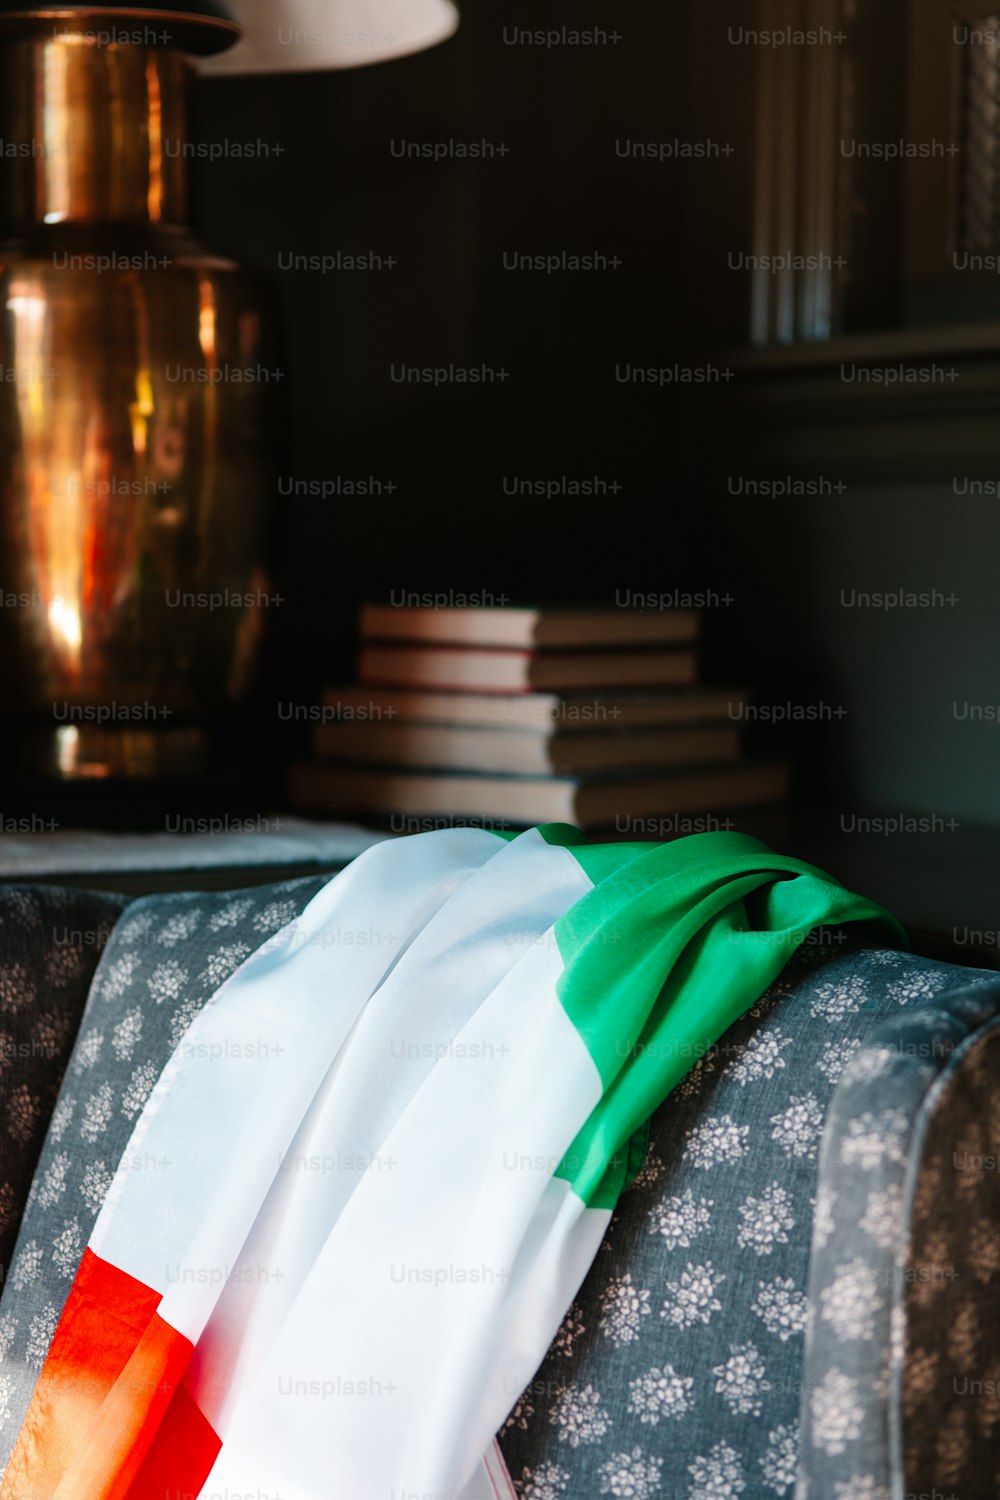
(92, 131)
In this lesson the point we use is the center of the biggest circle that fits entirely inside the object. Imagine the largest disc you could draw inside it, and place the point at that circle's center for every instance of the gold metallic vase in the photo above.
(137, 389)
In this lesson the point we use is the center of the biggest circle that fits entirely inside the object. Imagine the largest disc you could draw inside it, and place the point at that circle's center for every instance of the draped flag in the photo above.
(385, 1154)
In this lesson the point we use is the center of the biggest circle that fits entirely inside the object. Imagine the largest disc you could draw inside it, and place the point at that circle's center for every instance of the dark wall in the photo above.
(563, 115)
(564, 185)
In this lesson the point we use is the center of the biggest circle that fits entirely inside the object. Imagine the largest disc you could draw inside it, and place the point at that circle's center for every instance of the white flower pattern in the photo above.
(138, 1089)
(27, 1266)
(134, 929)
(52, 1185)
(760, 1058)
(220, 964)
(718, 1476)
(711, 1251)
(923, 984)
(740, 1380)
(62, 1117)
(88, 1051)
(660, 1394)
(837, 1000)
(874, 1138)
(571, 1329)
(836, 1412)
(780, 1459)
(94, 1185)
(680, 1219)
(97, 1112)
(167, 981)
(869, 1064)
(781, 1307)
(835, 1056)
(579, 1415)
(232, 914)
(40, 1331)
(67, 1248)
(883, 1215)
(692, 1298)
(824, 1223)
(861, 1487)
(186, 1012)
(797, 1129)
(852, 1301)
(179, 928)
(117, 978)
(274, 916)
(127, 1035)
(632, 1476)
(766, 1220)
(547, 1482)
(622, 1310)
(719, 1139)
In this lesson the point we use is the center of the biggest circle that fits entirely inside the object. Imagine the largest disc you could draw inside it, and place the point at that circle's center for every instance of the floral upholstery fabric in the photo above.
(165, 958)
(680, 1369)
(891, 1312)
(949, 1387)
(50, 943)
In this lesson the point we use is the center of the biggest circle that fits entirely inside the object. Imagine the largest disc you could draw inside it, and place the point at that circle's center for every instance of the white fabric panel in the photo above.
(358, 1227)
(445, 1299)
(429, 1004)
(236, 1084)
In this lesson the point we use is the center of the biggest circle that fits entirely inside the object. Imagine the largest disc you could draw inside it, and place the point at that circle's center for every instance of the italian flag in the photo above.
(372, 1177)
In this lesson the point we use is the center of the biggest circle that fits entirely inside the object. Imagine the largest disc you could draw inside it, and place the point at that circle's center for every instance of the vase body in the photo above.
(137, 395)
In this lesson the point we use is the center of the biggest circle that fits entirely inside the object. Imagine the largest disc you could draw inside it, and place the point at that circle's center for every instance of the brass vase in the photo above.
(137, 389)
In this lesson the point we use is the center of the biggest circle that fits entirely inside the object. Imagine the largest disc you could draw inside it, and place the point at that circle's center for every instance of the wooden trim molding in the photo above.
(918, 404)
(795, 197)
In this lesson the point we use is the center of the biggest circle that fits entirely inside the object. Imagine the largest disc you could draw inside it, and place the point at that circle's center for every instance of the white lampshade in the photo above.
(282, 36)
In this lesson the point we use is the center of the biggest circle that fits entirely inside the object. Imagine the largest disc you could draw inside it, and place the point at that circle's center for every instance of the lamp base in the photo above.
(136, 419)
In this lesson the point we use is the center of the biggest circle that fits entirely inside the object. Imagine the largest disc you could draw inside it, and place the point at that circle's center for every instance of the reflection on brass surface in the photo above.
(85, 753)
(136, 392)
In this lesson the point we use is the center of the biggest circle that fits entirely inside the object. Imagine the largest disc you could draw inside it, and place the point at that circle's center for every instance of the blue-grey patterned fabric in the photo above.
(165, 958)
(947, 1402)
(889, 1311)
(50, 942)
(679, 1370)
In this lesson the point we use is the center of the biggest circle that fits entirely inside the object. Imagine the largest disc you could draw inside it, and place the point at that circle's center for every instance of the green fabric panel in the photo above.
(674, 943)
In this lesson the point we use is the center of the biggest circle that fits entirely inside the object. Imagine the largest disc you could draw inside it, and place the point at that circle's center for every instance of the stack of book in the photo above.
(509, 717)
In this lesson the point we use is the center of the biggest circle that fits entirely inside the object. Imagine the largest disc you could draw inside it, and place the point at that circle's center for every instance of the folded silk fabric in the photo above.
(374, 1173)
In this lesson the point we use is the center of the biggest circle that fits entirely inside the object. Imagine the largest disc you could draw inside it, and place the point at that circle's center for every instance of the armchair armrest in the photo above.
(50, 944)
(901, 1388)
